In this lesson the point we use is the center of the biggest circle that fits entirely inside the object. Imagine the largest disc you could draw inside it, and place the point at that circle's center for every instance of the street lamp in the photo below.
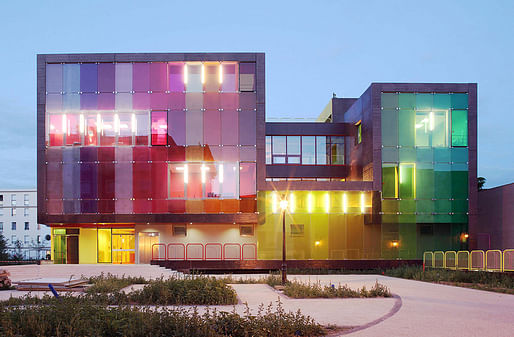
(283, 206)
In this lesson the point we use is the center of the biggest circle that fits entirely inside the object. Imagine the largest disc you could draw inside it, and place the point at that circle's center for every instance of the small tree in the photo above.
(481, 182)
(4, 255)
(17, 256)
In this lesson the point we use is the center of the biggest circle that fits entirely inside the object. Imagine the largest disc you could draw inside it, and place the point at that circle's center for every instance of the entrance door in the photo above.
(72, 249)
(123, 246)
(146, 240)
(59, 249)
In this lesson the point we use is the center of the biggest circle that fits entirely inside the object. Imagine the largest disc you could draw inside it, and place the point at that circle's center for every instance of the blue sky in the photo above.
(313, 48)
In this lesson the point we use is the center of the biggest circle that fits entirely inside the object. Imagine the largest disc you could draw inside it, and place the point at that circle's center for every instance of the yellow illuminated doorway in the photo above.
(123, 246)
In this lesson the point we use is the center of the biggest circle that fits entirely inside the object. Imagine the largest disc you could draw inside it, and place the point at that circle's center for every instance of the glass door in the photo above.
(59, 249)
(123, 246)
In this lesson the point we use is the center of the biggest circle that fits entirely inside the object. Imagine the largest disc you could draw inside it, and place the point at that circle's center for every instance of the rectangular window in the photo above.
(159, 127)
(246, 76)
(279, 149)
(297, 230)
(321, 150)
(1, 200)
(26, 199)
(26, 212)
(13, 225)
(337, 150)
(104, 245)
(1, 226)
(13, 211)
(359, 133)
(293, 149)
(26, 239)
(407, 187)
(27, 226)
(13, 199)
(459, 128)
(431, 128)
(39, 239)
(179, 230)
(308, 150)
(389, 180)
(246, 230)
(13, 239)
(268, 150)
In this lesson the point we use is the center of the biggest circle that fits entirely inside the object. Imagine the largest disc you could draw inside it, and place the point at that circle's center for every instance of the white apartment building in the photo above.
(18, 222)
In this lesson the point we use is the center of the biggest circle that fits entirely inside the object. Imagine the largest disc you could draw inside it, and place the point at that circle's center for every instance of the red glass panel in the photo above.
(212, 127)
(141, 154)
(176, 184)
(106, 206)
(158, 76)
(247, 180)
(106, 181)
(142, 206)
(176, 206)
(141, 77)
(159, 177)
(159, 127)
(141, 180)
(159, 206)
(56, 128)
(158, 154)
(177, 153)
(106, 154)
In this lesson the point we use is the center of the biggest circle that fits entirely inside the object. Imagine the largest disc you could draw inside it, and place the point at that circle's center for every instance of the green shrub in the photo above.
(110, 283)
(300, 290)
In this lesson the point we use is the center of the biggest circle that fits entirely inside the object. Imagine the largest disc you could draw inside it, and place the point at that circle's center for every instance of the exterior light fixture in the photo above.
(185, 74)
(292, 204)
(317, 243)
(363, 208)
(221, 74)
(394, 244)
(283, 204)
(274, 204)
(345, 203)
(309, 202)
(327, 202)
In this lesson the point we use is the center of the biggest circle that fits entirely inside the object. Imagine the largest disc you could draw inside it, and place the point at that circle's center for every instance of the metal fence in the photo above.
(489, 260)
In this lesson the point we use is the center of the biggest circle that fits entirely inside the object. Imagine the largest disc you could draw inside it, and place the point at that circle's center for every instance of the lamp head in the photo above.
(283, 204)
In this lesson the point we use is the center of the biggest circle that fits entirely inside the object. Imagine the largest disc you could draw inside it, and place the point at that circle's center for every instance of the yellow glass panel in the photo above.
(104, 245)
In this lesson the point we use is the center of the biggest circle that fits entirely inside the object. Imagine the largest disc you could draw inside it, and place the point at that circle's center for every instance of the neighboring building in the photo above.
(495, 225)
(18, 223)
(171, 153)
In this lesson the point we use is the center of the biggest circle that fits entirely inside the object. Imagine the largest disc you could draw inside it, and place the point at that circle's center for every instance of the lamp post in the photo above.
(283, 206)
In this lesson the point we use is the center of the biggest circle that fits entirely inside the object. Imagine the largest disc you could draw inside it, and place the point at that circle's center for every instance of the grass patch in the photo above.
(300, 290)
(69, 318)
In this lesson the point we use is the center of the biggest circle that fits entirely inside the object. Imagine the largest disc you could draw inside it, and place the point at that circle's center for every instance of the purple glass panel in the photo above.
(89, 101)
(194, 100)
(212, 127)
(123, 101)
(71, 206)
(229, 127)
(106, 77)
(54, 180)
(88, 206)
(229, 101)
(88, 180)
(211, 101)
(177, 127)
(176, 77)
(247, 128)
(158, 76)
(54, 78)
(247, 101)
(88, 77)
(123, 206)
(141, 101)
(141, 77)
(123, 77)
(247, 180)
(106, 101)
(88, 154)
(159, 101)
(247, 68)
(176, 101)
(229, 78)
(247, 153)
(53, 103)
(229, 153)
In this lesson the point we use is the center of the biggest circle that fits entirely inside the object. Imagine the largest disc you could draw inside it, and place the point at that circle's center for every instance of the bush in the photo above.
(299, 290)
(110, 283)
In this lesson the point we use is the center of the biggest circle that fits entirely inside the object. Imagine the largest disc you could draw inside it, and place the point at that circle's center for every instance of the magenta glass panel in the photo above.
(106, 181)
(54, 180)
(229, 127)
(71, 102)
(91, 130)
(176, 185)
(176, 77)
(177, 127)
(247, 153)
(229, 153)
(108, 133)
(141, 180)
(141, 101)
(89, 101)
(211, 101)
(88, 180)
(53, 103)
(141, 154)
(159, 177)
(106, 154)
(176, 153)
(106, 77)
(230, 185)
(194, 185)
(106, 206)
(123, 180)
(123, 206)
(54, 78)
(56, 129)
(247, 129)
(142, 206)
(125, 129)
(123, 101)
(73, 136)
(142, 128)
(123, 154)
(88, 77)
(247, 101)
(194, 101)
(176, 101)
(158, 154)
(106, 101)
(230, 77)
(159, 127)
(229, 101)
(247, 180)
(212, 77)
(141, 77)
(194, 127)
(212, 127)
(159, 101)
(158, 76)
(123, 77)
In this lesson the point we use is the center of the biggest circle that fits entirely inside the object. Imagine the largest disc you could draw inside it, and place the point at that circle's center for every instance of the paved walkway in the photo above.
(422, 309)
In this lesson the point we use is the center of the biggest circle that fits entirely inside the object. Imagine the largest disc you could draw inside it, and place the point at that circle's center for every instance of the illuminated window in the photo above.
(459, 128)
(359, 133)
(389, 180)
(159, 127)
(431, 128)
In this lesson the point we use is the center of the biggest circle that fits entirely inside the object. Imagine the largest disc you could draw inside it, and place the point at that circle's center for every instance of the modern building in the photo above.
(169, 156)
(19, 226)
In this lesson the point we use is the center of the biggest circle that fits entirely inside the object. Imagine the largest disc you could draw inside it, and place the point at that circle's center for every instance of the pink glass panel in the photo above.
(142, 206)
(56, 129)
(158, 76)
(141, 101)
(54, 78)
(212, 127)
(230, 77)
(176, 185)
(91, 134)
(123, 206)
(229, 101)
(229, 127)
(211, 101)
(122, 177)
(229, 153)
(141, 77)
(212, 78)
(72, 130)
(123, 77)
(176, 101)
(177, 127)
(123, 154)
(247, 180)
(106, 77)
(247, 122)
(176, 76)
(106, 101)
(159, 127)
(159, 101)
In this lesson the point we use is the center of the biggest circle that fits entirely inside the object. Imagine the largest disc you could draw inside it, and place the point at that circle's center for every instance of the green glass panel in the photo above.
(390, 233)
(442, 101)
(459, 127)
(407, 154)
(459, 155)
(459, 218)
(389, 218)
(359, 133)
(389, 100)
(390, 206)
(442, 206)
(443, 218)
(408, 206)
(406, 129)
(407, 101)
(442, 180)
(424, 218)
(459, 101)
(424, 181)
(389, 154)
(459, 183)
(407, 218)
(406, 186)
(442, 155)
(407, 241)
(425, 206)
(424, 101)
(389, 127)
(389, 180)
(425, 155)
(459, 206)
(59, 231)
